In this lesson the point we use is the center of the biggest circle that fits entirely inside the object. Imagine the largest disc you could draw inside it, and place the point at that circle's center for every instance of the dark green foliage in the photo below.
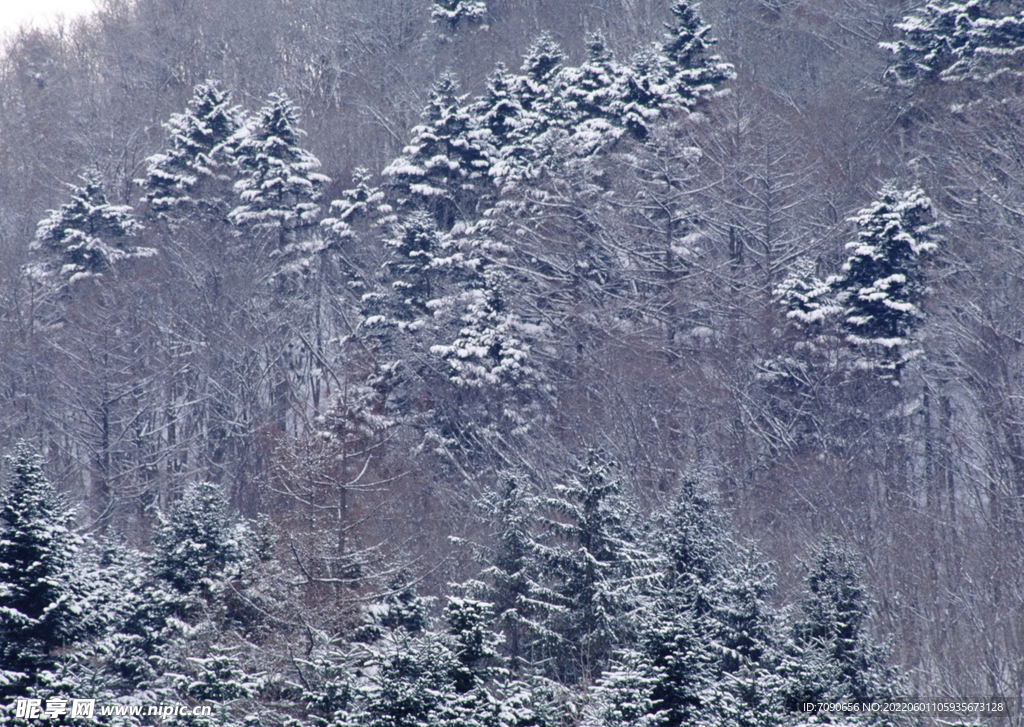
(40, 596)
(194, 173)
(456, 12)
(693, 72)
(198, 542)
(87, 237)
(832, 656)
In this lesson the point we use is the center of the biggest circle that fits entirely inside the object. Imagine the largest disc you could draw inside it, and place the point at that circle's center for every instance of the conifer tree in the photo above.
(443, 170)
(489, 350)
(40, 596)
(455, 12)
(87, 237)
(515, 574)
(195, 171)
(882, 286)
(953, 40)
(694, 74)
(198, 543)
(279, 185)
(831, 656)
(596, 566)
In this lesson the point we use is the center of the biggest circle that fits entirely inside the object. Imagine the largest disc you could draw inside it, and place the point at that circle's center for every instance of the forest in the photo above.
(514, 363)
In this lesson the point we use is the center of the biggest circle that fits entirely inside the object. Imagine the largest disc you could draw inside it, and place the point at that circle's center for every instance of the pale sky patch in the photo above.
(39, 13)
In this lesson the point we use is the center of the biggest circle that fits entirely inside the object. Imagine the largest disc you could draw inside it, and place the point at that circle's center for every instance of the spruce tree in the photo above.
(443, 170)
(198, 543)
(279, 185)
(40, 594)
(86, 238)
(193, 174)
(456, 12)
(831, 656)
(515, 574)
(882, 285)
(956, 40)
(596, 567)
(694, 74)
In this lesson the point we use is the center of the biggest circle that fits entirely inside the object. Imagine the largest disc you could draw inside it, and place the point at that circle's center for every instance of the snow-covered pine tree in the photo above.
(498, 113)
(882, 285)
(693, 539)
(535, 107)
(87, 237)
(195, 172)
(40, 596)
(444, 169)
(668, 679)
(952, 40)
(456, 12)
(807, 300)
(592, 98)
(596, 568)
(490, 349)
(279, 185)
(198, 544)
(514, 574)
(831, 656)
(694, 74)
(748, 641)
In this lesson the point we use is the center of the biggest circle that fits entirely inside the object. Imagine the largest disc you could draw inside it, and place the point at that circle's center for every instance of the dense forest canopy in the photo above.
(513, 362)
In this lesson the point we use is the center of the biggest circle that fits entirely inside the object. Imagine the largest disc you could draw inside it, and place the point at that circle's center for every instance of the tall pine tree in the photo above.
(86, 238)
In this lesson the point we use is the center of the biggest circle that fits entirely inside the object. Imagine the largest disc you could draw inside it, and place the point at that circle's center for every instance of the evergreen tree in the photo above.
(198, 544)
(882, 285)
(498, 114)
(515, 574)
(87, 237)
(489, 350)
(694, 74)
(831, 656)
(954, 40)
(668, 678)
(414, 273)
(40, 594)
(443, 170)
(596, 567)
(195, 170)
(279, 186)
(808, 301)
(454, 12)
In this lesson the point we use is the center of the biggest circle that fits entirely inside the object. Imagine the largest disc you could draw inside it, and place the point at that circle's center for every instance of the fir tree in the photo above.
(455, 12)
(498, 113)
(195, 170)
(515, 574)
(87, 237)
(198, 543)
(40, 595)
(596, 566)
(831, 656)
(882, 285)
(953, 40)
(668, 679)
(808, 301)
(279, 186)
(489, 349)
(443, 170)
(694, 74)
